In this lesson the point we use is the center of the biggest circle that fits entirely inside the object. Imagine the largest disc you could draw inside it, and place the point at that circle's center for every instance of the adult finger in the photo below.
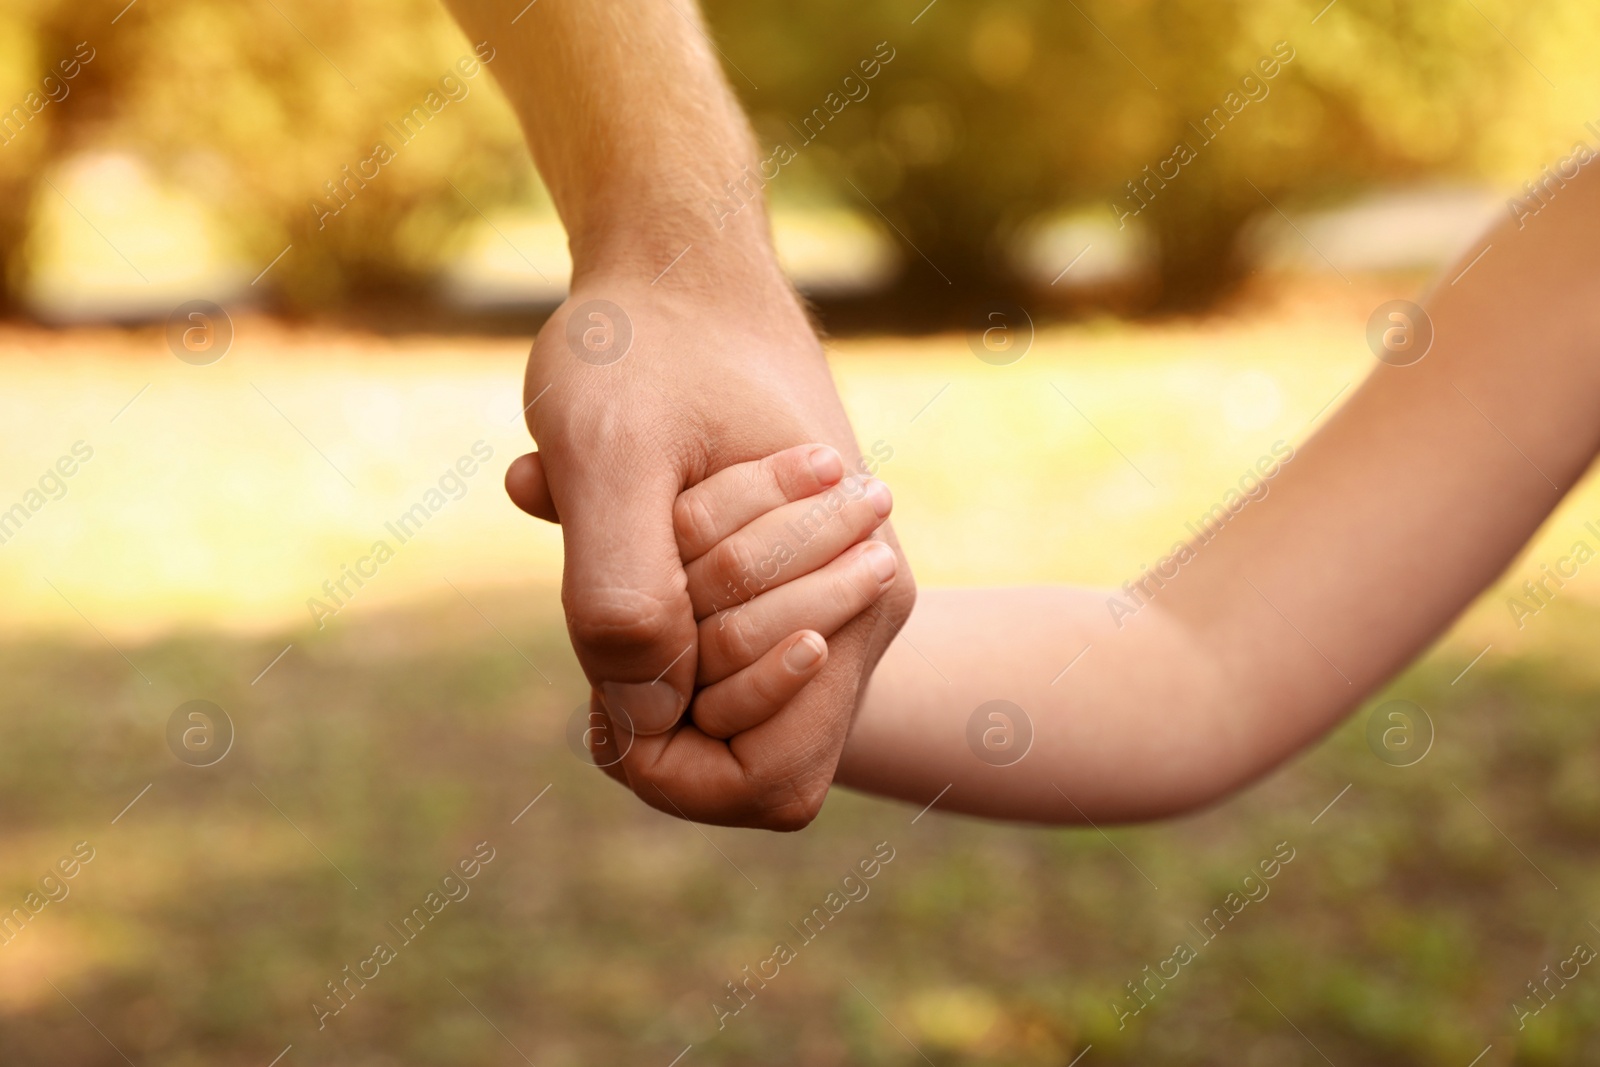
(775, 775)
(605, 744)
(527, 488)
(701, 778)
(623, 586)
(785, 544)
(729, 499)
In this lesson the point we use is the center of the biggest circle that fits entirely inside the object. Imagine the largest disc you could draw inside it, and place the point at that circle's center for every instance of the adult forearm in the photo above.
(635, 132)
(654, 172)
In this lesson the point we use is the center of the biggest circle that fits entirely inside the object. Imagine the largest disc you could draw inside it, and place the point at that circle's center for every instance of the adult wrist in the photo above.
(686, 237)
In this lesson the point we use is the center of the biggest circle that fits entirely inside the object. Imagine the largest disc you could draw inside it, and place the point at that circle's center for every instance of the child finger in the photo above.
(823, 601)
(754, 694)
(711, 510)
(786, 543)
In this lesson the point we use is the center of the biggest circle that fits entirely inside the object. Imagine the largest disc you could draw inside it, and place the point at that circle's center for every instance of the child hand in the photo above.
(778, 557)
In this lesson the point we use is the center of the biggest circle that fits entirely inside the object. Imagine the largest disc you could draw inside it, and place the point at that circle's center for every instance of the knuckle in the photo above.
(849, 592)
(620, 618)
(788, 798)
(732, 639)
(860, 516)
(813, 521)
(794, 809)
(711, 718)
(790, 472)
(766, 686)
(693, 521)
(644, 777)
(650, 778)
(733, 566)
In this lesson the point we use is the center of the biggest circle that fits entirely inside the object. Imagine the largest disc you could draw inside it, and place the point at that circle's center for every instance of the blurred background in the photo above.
(162, 152)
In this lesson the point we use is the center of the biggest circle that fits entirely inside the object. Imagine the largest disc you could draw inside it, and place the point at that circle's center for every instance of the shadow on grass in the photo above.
(227, 903)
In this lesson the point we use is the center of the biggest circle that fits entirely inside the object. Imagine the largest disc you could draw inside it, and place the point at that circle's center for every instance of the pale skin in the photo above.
(635, 132)
(1372, 538)
(1408, 501)
(778, 558)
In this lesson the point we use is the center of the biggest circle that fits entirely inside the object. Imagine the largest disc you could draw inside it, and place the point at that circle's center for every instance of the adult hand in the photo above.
(651, 165)
(636, 391)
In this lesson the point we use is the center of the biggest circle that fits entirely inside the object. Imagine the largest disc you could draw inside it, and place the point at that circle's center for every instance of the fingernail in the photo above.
(880, 497)
(826, 465)
(880, 557)
(804, 654)
(647, 707)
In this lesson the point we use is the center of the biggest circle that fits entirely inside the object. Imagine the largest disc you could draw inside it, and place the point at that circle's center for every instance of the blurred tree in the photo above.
(36, 128)
(268, 110)
(989, 114)
(994, 112)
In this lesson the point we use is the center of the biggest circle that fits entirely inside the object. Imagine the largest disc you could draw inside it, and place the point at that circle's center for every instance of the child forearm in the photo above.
(1408, 502)
(1113, 724)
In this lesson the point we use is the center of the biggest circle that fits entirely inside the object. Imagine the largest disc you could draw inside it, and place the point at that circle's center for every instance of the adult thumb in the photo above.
(624, 589)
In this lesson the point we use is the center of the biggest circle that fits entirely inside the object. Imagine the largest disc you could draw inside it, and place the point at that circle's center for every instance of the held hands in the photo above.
(772, 574)
(778, 556)
(681, 351)
(755, 590)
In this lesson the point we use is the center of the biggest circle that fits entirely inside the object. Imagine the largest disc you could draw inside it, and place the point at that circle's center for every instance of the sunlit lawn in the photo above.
(378, 752)
(226, 495)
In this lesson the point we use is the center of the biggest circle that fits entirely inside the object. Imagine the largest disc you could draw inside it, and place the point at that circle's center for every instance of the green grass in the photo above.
(383, 749)
(602, 932)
